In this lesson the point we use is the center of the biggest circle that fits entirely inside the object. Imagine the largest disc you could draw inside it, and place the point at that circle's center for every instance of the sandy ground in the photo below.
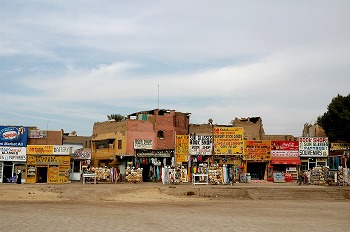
(143, 207)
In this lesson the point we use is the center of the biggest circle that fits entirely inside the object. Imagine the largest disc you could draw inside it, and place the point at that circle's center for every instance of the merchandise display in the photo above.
(215, 174)
(133, 175)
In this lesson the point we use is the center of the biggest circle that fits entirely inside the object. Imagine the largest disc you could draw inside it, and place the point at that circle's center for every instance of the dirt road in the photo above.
(144, 207)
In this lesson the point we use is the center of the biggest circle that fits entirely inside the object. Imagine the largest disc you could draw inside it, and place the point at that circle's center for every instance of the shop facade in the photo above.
(13, 142)
(48, 164)
(200, 159)
(285, 159)
(228, 152)
(152, 161)
(257, 157)
(313, 152)
(80, 159)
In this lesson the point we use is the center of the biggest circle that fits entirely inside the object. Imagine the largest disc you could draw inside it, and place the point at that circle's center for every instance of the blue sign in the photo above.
(13, 136)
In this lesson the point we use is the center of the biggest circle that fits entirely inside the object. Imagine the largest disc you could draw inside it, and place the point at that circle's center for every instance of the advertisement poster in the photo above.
(257, 149)
(228, 140)
(284, 149)
(182, 147)
(201, 144)
(313, 146)
(13, 136)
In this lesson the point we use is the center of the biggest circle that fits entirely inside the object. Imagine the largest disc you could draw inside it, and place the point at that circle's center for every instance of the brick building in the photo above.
(143, 139)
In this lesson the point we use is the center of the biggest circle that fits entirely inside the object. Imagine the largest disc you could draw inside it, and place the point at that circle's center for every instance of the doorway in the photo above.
(256, 170)
(41, 174)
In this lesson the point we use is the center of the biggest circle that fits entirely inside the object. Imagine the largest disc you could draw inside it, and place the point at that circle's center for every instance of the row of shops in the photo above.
(42, 163)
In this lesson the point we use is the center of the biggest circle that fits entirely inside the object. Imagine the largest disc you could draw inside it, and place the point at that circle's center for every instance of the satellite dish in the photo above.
(73, 133)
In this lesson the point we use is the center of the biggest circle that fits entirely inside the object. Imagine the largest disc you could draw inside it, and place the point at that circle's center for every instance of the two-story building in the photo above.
(144, 139)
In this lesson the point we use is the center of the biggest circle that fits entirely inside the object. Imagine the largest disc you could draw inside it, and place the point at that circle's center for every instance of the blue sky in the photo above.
(68, 64)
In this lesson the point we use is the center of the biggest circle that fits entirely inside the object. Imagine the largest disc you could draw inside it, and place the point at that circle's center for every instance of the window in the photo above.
(119, 144)
(160, 134)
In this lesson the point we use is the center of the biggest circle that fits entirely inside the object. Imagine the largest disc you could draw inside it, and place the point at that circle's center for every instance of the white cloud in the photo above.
(283, 61)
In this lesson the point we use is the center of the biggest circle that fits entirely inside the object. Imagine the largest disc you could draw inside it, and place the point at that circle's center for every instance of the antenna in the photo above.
(158, 96)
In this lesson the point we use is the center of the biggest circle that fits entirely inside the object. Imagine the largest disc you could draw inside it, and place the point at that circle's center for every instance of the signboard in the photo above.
(61, 150)
(257, 149)
(182, 147)
(82, 154)
(284, 149)
(143, 144)
(13, 154)
(48, 160)
(37, 134)
(228, 140)
(313, 146)
(40, 149)
(201, 144)
(340, 146)
(13, 136)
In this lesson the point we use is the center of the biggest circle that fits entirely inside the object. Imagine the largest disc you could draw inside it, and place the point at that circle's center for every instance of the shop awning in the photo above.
(285, 161)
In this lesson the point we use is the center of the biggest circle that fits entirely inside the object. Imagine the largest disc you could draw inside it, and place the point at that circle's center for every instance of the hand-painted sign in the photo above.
(313, 146)
(228, 140)
(201, 144)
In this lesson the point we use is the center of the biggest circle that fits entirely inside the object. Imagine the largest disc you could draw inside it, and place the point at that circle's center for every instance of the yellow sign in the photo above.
(340, 146)
(228, 140)
(257, 149)
(40, 149)
(182, 147)
(48, 159)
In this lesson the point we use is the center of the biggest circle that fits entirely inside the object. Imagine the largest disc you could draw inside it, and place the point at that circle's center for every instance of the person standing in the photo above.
(19, 177)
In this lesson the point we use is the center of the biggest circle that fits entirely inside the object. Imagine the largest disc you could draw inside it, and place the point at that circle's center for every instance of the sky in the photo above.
(68, 64)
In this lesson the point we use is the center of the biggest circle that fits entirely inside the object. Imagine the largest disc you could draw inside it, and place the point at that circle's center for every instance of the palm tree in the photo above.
(116, 117)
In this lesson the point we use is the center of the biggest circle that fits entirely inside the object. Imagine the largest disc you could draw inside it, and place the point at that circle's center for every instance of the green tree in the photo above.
(116, 117)
(336, 121)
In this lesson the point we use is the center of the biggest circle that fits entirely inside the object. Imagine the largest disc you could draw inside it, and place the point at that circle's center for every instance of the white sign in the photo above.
(143, 144)
(13, 154)
(201, 144)
(61, 150)
(313, 146)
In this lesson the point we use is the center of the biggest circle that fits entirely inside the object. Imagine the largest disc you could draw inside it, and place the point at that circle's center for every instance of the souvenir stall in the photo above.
(200, 157)
(152, 161)
(182, 156)
(228, 152)
(199, 170)
(80, 158)
(216, 174)
(343, 176)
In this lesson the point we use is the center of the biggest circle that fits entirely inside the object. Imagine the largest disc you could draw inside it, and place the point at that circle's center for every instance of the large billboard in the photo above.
(228, 140)
(313, 146)
(201, 144)
(13, 136)
(257, 149)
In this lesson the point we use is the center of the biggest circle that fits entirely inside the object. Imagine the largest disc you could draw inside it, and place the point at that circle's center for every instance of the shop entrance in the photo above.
(256, 170)
(41, 174)
(8, 175)
(145, 172)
